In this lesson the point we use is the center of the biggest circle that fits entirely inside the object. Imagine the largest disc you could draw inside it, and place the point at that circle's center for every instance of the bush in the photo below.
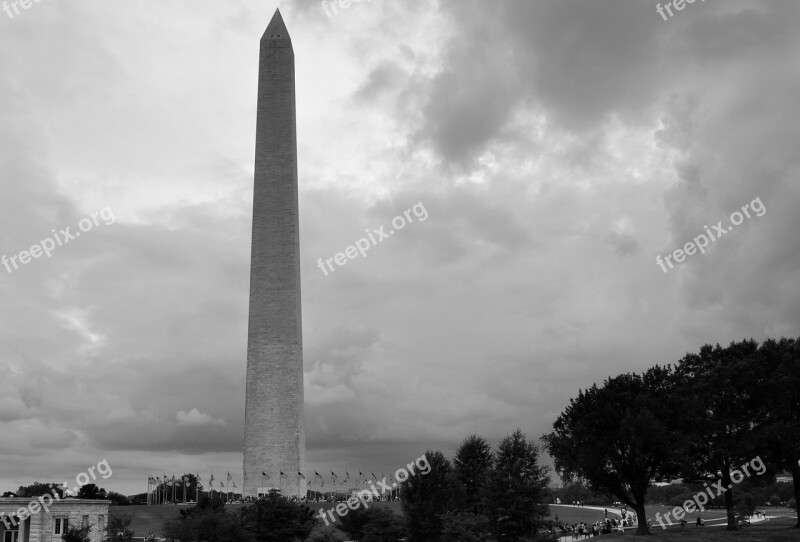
(746, 505)
(77, 534)
(326, 535)
(465, 527)
(383, 526)
(117, 529)
(373, 524)
(276, 519)
(678, 500)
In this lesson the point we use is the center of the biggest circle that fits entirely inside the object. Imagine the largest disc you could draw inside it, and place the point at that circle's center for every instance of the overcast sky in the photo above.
(557, 148)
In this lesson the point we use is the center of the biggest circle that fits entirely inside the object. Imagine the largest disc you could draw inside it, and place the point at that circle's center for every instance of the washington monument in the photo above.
(274, 435)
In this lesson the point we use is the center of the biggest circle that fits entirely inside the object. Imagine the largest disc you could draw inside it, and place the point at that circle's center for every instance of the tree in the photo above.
(622, 436)
(117, 499)
(138, 499)
(460, 526)
(426, 498)
(781, 383)
(77, 534)
(118, 529)
(37, 489)
(275, 519)
(178, 529)
(326, 535)
(230, 529)
(353, 522)
(472, 465)
(719, 386)
(517, 489)
(91, 491)
(382, 525)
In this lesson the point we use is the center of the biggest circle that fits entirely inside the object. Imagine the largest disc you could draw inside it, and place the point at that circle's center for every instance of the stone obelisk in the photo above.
(274, 436)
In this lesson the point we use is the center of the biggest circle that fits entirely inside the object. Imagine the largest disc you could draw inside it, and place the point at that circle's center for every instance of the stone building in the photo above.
(24, 519)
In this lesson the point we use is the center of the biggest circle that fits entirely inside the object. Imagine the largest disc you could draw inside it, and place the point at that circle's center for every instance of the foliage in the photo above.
(91, 491)
(780, 381)
(353, 522)
(118, 530)
(276, 519)
(37, 489)
(465, 527)
(426, 498)
(178, 529)
(383, 526)
(117, 499)
(471, 465)
(326, 535)
(209, 520)
(718, 384)
(517, 489)
(621, 436)
(576, 491)
(138, 499)
(746, 505)
(77, 534)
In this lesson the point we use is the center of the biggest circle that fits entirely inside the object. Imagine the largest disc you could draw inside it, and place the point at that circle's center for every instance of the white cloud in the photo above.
(195, 418)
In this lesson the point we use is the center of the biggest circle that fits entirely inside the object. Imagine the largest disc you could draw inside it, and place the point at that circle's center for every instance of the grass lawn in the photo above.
(774, 530)
(779, 529)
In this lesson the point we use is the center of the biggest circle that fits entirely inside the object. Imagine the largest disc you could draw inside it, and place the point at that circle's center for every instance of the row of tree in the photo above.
(699, 420)
(87, 491)
(272, 519)
(482, 494)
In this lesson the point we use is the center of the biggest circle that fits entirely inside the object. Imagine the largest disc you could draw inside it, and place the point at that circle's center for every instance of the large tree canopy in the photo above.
(621, 436)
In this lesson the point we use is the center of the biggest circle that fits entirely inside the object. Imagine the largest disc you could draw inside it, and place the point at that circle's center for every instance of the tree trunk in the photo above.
(728, 485)
(641, 517)
(796, 480)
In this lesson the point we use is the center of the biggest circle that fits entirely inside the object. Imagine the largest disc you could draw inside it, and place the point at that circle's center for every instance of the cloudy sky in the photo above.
(557, 148)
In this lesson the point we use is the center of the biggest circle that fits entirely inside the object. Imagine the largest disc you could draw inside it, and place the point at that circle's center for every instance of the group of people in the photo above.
(607, 526)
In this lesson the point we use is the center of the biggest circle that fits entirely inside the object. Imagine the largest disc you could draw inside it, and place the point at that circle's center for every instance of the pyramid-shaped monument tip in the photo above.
(276, 30)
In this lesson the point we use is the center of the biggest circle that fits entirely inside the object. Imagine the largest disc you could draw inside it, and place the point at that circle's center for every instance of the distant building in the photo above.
(24, 519)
